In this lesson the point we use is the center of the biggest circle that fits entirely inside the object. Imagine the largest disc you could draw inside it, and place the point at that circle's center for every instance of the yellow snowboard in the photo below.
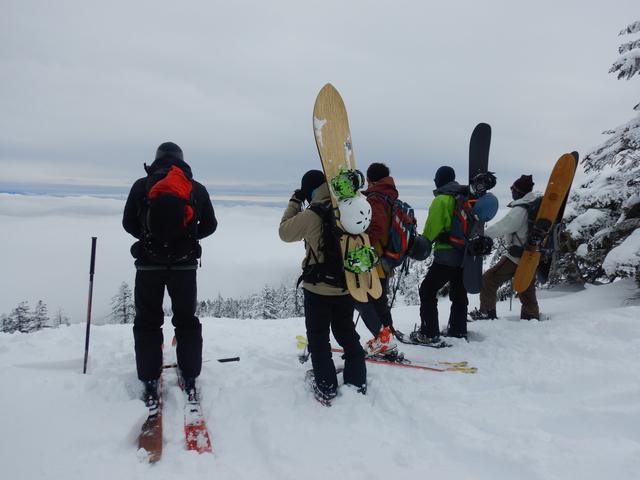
(333, 139)
(557, 190)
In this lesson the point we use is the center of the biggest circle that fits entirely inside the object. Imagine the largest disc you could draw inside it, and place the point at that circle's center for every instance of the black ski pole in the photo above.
(91, 272)
(511, 295)
(404, 268)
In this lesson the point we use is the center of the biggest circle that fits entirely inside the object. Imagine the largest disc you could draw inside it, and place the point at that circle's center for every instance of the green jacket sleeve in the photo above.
(440, 216)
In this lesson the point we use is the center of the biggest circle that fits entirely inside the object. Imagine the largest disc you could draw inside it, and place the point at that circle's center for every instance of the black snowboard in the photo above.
(478, 163)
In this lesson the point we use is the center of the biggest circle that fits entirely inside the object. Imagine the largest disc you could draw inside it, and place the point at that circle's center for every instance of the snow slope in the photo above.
(557, 399)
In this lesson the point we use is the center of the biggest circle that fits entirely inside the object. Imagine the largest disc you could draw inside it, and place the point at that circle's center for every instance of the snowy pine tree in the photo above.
(60, 319)
(39, 318)
(410, 282)
(603, 215)
(23, 321)
(265, 304)
(123, 309)
(217, 307)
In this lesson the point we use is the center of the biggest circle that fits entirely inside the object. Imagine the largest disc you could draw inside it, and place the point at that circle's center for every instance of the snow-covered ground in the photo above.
(556, 399)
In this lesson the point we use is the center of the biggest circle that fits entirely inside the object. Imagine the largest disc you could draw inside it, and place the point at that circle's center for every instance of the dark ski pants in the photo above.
(325, 314)
(147, 326)
(437, 277)
(376, 313)
(502, 272)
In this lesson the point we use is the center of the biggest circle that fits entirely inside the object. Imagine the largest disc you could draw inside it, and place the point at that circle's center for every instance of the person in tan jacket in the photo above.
(328, 305)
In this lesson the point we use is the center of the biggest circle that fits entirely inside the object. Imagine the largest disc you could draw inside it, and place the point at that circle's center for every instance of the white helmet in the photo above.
(355, 214)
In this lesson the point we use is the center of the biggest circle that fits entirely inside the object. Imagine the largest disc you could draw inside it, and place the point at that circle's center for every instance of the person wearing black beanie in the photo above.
(167, 263)
(169, 149)
(443, 176)
(328, 305)
(310, 182)
(446, 266)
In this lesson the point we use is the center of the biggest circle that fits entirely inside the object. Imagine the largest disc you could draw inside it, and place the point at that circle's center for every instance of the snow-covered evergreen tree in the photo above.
(604, 212)
(265, 304)
(19, 318)
(60, 319)
(217, 307)
(123, 309)
(410, 282)
(22, 320)
(39, 318)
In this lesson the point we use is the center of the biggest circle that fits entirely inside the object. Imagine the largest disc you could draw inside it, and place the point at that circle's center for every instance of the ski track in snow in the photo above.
(557, 399)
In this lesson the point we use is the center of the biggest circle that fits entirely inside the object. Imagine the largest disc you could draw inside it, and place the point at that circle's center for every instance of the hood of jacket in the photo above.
(167, 162)
(528, 198)
(451, 188)
(385, 186)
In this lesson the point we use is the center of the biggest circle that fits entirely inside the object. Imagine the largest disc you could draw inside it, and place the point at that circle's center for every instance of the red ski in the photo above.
(402, 362)
(195, 429)
(195, 426)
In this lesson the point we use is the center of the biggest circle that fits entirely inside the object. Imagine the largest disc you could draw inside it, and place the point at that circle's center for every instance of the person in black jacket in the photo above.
(179, 278)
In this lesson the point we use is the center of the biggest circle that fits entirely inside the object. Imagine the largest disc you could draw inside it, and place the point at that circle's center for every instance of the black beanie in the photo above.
(310, 181)
(444, 175)
(169, 149)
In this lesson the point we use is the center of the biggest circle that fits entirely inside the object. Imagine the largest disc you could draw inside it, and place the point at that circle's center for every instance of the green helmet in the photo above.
(361, 260)
(347, 183)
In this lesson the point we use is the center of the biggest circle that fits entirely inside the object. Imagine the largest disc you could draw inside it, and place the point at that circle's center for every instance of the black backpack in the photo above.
(169, 217)
(532, 212)
(331, 271)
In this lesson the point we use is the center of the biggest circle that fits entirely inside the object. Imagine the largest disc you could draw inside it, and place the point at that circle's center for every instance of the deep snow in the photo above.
(556, 399)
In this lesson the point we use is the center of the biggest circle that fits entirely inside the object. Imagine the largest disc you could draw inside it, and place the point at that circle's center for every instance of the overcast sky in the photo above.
(89, 89)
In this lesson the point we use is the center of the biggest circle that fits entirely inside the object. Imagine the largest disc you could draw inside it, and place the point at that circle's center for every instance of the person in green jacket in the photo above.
(446, 266)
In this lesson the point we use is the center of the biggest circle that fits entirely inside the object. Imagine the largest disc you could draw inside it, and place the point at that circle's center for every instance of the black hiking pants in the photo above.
(147, 326)
(376, 313)
(436, 278)
(325, 314)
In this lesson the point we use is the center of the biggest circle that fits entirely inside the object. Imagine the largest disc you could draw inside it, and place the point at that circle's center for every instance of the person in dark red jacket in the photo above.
(179, 278)
(376, 313)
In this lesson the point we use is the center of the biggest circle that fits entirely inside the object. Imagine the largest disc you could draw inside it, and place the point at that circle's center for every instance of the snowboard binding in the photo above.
(347, 183)
(482, 183)
(361, 260)
(480, 246)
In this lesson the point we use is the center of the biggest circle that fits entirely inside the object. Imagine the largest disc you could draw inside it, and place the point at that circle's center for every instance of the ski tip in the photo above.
(146, 456)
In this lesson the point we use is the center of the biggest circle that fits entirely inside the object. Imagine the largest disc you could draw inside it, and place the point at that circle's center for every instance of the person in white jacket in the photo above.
(514, 226)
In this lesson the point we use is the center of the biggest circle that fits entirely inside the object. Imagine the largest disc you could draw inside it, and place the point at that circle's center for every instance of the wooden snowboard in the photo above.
(552, 246)
(333, 139)
(553, 199)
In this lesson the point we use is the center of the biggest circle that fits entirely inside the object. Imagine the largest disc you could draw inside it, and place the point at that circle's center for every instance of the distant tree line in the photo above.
(283, 301)
(23, 320)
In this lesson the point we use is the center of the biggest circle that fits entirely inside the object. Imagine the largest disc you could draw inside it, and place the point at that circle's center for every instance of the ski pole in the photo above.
(511, 295)
(91, 272)
(404, 268)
